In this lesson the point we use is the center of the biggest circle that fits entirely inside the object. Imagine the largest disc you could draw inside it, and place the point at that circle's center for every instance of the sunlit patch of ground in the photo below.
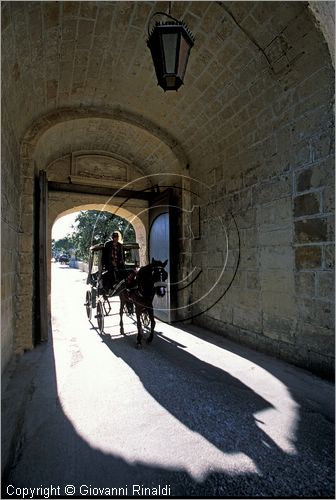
(131, 404)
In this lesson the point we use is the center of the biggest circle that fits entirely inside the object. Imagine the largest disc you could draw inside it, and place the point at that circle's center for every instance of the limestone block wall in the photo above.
(275, 174)
(10, 230)
(282, 298)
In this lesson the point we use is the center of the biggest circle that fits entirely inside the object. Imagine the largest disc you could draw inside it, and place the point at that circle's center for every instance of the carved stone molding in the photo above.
(98, 169)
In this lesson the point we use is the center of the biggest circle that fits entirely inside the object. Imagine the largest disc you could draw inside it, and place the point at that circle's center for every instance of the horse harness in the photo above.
(132, 283)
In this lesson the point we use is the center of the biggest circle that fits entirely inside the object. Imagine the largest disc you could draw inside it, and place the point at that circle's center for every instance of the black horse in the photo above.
(148, 281)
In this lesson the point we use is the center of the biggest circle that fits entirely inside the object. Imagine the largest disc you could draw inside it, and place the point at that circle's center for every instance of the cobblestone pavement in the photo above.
(190, 415)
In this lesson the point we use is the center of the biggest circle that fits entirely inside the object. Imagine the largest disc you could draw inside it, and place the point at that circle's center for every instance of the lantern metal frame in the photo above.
(169, 78)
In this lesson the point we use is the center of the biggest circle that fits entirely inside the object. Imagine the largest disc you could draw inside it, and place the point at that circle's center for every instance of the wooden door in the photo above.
(41, 287)
(160, 247)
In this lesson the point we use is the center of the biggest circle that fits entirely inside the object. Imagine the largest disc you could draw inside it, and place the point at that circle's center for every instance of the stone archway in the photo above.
(135, 213)
(31, 163)
(61, 204)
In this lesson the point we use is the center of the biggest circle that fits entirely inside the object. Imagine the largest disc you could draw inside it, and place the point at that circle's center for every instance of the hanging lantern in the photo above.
(170, 44)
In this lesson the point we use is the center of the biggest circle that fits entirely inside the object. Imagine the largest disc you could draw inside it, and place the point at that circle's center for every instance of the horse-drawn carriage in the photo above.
(101, 283)
(64, 259)
(135, 287)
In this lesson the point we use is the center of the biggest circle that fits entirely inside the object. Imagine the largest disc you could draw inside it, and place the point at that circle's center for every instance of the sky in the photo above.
(62, 226)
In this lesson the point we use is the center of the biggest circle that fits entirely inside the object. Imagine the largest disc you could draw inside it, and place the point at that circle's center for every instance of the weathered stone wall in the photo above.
(274, 173)
(10, 229)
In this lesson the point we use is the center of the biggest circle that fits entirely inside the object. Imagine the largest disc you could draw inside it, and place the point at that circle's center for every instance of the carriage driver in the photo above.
(113, 259)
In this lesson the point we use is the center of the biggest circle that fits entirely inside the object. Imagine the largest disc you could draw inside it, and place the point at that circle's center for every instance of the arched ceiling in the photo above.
(74, 54)
(135, 145)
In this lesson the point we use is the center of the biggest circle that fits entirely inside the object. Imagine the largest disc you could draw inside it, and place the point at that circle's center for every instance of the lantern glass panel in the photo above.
(183, 57)
(169, 42)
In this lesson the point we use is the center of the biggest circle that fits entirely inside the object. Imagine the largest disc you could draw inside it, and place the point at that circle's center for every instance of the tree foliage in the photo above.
(94, 226)
(64, 245)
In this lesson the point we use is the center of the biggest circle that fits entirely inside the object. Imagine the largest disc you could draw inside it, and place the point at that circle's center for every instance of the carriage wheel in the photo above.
(100, 317)
(88, 304)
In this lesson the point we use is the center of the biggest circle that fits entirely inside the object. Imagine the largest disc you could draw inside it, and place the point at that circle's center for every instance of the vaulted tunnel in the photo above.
(248, 139)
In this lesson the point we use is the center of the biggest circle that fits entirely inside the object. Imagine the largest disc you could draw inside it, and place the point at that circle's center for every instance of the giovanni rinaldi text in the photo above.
(88, 490)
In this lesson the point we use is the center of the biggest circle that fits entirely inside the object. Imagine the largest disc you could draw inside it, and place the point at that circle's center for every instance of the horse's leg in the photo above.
(139, 337)
(152, 321)
(121, 315)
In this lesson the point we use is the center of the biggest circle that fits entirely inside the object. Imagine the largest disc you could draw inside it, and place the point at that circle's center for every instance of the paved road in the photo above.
(190, 415)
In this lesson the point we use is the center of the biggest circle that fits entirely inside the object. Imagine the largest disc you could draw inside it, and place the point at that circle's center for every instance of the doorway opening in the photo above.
(72, 230)
(74, 234)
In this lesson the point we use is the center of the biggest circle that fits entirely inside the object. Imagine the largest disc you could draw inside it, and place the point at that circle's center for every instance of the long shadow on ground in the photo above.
(204, 398)
(221, 408)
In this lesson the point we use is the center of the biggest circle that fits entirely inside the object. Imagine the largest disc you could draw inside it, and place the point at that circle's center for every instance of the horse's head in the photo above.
(159, 276)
